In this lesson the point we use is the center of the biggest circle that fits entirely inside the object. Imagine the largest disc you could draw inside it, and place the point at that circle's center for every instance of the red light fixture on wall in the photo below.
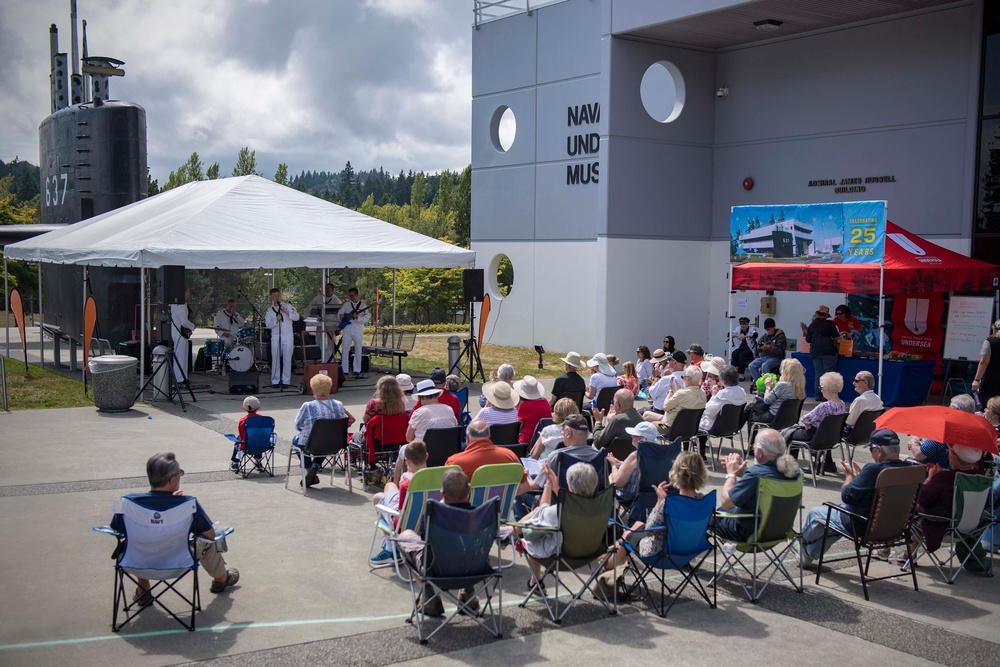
(748, 183)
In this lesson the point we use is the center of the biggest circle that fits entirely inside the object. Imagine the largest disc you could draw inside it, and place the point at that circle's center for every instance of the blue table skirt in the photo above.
(905, 383)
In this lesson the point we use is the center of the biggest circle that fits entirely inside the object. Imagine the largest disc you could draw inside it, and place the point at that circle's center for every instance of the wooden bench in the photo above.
(391, 343)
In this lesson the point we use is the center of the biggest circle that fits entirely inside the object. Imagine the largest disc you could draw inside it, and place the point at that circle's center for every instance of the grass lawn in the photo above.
(431, 350)
(42, 388)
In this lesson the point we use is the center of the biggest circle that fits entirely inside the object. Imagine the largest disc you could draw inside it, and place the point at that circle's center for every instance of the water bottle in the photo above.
(220, 541)
(892, 557)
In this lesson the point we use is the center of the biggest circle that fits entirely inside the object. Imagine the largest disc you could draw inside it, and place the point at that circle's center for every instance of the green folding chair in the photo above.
(971, 516)
(778, 503)
(498, 480)
(584, 526)
(424, 485)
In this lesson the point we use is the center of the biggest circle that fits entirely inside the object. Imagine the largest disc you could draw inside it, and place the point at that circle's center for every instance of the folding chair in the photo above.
(655, 461)
(896, 491)
(621, 447)
(787, 415)
(685, 548)
(521, 451)
(727, 425)
(501, 481)
(828, 435)
(542, 423)
(778, 503)
(384, 436)
(575, 396)
(583, 523)
(594, 457)
(424, 485)
(155, 545)
(259, 447)
(971, 516)
(441, 444)
(685, 426)
(463, 399)
(605, 397)
(327, 440)
(456, 556)
(505, 434)
(863, 429)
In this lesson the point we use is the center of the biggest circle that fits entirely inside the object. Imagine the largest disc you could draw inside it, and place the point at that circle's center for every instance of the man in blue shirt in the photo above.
(856, 495)
(164, 473)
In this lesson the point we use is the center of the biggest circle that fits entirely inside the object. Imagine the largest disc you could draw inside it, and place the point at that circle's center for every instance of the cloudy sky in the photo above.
(312, 83)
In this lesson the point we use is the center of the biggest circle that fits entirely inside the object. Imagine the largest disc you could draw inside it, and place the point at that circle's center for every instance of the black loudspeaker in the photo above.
(366, 361)
(472, 285)
(247, 382)
(172, 284)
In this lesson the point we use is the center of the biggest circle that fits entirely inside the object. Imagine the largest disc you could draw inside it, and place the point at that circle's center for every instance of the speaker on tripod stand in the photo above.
(473, 285)
(473, 291)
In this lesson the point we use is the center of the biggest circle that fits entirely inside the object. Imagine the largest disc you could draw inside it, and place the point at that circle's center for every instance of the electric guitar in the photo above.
(346, 319)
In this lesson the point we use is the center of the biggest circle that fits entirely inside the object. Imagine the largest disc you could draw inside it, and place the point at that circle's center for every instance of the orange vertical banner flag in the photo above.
(89, 322)
(17, 308)
(484, 314)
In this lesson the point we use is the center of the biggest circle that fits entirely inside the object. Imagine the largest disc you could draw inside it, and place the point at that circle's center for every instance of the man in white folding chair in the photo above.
(164, 473)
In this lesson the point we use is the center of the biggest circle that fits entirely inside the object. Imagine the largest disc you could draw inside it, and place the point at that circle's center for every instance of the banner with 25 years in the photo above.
(833, 233)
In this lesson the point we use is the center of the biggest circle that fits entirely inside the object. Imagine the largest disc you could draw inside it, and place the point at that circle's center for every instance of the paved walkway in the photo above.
(307, 597)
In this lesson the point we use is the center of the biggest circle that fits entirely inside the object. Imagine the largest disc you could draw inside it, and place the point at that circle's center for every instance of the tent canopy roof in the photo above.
(912, 265)
(246, 222)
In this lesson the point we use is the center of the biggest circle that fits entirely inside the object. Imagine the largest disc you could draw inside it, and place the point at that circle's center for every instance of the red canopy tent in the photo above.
(912, 264)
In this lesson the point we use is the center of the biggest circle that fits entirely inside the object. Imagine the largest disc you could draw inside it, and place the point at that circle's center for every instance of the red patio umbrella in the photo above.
(945, 425)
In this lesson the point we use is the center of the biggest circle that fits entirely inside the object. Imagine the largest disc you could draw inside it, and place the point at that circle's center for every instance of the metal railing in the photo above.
(485, 11)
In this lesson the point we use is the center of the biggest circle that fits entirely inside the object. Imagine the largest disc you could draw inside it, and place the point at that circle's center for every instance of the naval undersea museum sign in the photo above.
(580, 143)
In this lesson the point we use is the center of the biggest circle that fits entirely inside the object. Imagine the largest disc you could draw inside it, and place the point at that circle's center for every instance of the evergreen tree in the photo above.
(191, 170)
(246, 163)
(281, 175)
(463, 208)
(417, 192)
(213, 172)
(445, 194)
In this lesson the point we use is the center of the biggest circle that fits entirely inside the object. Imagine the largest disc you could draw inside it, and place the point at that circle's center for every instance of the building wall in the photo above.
(650, 240)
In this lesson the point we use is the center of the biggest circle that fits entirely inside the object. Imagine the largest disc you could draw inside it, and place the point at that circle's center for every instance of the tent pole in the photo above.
(6, 304)
(142, 325)
(394, 298)
(729, 318)
(83, 370)
(41, 316)
(881, 321)
(321, 333)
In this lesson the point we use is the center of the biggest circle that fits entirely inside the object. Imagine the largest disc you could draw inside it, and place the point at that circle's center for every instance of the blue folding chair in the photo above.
(257, 453)
(685, 549)
(655, 462)
(456, 556)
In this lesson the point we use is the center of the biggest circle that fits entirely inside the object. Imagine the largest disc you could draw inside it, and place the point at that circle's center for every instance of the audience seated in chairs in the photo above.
(688, 397)
(481, 451)
(321, 407)
(864, 384)
(830, 384)
(570, 381)
(455, 491)
(582, 481)
(501, 404)
(857, 493)
(431, 413)
(251, 405)
(164, 474)
(791, 384)
(625, 474)
(729, 393)
(621, 416)
(393, 496)
(602, 376)
(406, 384)
(739, 492)
(504, 373)
(532, 407)
(447, 397)
(550, 436)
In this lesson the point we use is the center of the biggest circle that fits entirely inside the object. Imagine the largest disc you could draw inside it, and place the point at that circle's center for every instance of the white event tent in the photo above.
(246, 222)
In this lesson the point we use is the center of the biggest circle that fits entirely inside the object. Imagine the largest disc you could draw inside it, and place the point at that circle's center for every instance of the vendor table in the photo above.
(905, 383)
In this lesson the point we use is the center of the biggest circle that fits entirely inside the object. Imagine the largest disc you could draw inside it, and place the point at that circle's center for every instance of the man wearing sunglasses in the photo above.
(164, 473)
(856, 495)
(864, 384)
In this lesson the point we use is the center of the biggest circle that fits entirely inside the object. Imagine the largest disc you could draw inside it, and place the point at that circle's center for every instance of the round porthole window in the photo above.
(500, 276)
(662, 91)
(503, 129)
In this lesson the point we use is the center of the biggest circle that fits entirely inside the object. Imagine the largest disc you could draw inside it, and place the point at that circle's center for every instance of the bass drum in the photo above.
(240, 359)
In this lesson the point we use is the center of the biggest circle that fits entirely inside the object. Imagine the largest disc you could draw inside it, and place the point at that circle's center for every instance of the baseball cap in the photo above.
(679, 357)
(883, 437)
(438, 376)
(645, 430)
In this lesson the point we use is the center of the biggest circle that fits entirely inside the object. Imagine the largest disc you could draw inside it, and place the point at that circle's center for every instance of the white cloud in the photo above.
(309, 83)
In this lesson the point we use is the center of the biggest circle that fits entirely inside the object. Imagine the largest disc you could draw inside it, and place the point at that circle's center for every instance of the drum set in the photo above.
(250, 350)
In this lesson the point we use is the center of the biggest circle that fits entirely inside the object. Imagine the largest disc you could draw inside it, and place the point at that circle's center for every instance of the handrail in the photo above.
(485, 11)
